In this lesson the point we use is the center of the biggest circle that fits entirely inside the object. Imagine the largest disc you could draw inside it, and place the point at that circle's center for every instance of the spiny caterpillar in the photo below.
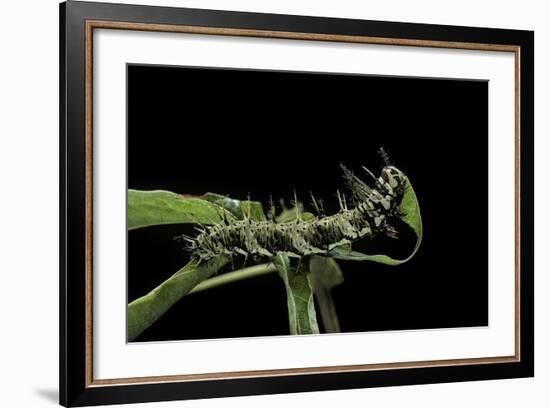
(374, 206)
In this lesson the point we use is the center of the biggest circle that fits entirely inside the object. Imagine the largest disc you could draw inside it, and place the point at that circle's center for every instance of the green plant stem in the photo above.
(325, 275)
(327, 309)
(234, 276)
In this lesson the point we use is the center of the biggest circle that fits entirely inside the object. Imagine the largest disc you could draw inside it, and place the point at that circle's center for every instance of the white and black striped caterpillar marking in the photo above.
(374, 208)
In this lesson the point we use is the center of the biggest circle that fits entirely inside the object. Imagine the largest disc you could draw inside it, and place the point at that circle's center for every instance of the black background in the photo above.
(240, 132)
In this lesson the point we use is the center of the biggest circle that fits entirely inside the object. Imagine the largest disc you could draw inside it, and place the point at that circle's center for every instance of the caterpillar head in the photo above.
(393, 178)
(393, 181)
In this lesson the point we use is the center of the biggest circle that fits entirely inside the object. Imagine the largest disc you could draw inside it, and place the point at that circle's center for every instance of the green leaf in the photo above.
(254, 210)
(325, 273)
(239, 208)
(143, 312)
(290, 215)
(147, 208)
(301, 307)
(411, 210)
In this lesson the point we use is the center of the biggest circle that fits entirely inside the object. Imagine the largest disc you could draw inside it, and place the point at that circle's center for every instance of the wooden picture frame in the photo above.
(79, 21)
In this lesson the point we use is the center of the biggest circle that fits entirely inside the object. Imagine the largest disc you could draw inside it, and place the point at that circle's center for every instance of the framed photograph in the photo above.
(256, 203)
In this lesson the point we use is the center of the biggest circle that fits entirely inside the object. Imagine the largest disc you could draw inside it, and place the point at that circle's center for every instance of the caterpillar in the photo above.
(374, 208)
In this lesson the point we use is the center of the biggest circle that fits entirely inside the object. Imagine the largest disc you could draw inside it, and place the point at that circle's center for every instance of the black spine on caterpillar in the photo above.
(374, 206)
